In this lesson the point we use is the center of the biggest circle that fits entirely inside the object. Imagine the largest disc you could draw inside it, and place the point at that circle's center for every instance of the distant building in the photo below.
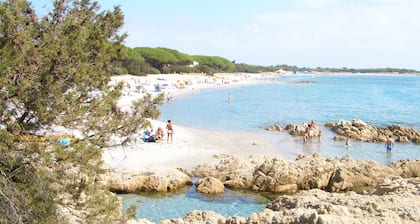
(195, 63)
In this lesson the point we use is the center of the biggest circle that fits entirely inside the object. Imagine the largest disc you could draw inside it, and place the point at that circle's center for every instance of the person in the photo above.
(311, 131)
(348, 141)
(319, 136)
(306, 135)
(229, 97)
(169, 97)
(170, 131)
(159, 134)
(389, 144)
(313, 124)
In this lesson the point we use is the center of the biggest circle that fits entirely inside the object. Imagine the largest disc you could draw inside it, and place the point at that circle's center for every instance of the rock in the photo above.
(235, 220)
(197, 217)
(274, 127)
(307, 172)
(359, 130)
(339, 138)
(210, 185)
(163, 180)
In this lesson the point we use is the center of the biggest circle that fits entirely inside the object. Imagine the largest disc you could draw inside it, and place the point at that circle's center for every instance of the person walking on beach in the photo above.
(389, 144)
(170, 131)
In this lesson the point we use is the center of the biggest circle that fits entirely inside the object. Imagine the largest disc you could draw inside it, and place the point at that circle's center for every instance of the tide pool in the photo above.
(157, 207)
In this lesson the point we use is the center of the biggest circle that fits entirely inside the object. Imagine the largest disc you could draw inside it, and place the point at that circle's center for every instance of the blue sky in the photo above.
(312, 33)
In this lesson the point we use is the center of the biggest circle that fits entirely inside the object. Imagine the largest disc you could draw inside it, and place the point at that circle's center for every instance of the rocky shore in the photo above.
(324, 189)
(313, 189)
(356, 129)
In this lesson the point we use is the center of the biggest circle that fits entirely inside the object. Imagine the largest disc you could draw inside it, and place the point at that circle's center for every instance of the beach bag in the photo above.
(151, 139)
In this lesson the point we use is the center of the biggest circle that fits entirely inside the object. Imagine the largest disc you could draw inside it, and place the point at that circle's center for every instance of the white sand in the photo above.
(191, 146)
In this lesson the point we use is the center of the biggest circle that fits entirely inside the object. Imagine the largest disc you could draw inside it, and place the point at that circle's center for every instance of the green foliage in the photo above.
(154, 71)
(161, 58)
(215, 62)
(48, 67)
(119, 71)
(252, 68)
(137, 67)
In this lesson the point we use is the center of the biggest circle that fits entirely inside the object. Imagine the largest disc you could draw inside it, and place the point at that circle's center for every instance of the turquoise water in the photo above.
(378, 100)
(157, 207)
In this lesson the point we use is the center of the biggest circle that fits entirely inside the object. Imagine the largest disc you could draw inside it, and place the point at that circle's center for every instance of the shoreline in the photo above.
(194, 146)
(191, 146)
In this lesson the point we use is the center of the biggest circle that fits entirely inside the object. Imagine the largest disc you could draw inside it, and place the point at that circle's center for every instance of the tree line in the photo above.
(145, 60)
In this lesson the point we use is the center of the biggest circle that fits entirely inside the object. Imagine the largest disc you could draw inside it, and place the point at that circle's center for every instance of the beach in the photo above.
(190, 146)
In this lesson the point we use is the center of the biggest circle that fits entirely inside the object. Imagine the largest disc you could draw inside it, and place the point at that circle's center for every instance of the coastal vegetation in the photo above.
(146, 60)
(48, 67)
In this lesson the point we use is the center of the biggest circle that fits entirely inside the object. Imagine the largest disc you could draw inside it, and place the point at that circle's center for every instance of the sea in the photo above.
(379, 100)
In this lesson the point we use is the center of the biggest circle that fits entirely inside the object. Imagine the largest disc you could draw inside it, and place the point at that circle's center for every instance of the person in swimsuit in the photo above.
(389, 144)
(170, 131)
(159, 134)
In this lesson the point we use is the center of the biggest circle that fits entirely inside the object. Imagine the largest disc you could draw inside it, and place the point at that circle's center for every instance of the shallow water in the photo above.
(157, 207)
(378, 100)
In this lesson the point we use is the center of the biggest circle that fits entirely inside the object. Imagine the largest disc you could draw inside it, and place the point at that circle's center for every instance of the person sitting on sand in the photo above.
(159, 134)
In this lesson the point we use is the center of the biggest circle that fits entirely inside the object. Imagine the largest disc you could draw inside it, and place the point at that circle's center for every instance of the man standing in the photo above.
(389, 144)
(170, 131)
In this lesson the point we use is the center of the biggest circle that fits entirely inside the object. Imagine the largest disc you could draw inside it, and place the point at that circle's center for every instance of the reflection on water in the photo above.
(156, 207)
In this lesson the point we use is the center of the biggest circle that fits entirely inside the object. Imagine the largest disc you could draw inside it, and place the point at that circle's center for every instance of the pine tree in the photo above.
(48, 67)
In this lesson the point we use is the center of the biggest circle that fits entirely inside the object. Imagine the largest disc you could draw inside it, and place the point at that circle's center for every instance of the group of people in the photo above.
(151, 136)
(310, 133)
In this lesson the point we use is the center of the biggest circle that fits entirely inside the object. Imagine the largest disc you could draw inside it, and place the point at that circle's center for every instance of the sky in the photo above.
(305, 33)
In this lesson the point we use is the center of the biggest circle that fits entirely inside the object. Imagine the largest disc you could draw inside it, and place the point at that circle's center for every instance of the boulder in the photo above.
(360, 130)
(197, 217)
(274, 127)
(210, 185)
(162, 180)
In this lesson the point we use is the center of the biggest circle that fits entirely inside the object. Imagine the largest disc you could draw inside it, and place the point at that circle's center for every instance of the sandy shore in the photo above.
(191, 146)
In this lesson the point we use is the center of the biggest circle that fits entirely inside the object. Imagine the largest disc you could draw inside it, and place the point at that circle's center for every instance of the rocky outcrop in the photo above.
(384, 195)
(210, 185)
(359, 130)
(294, 129)
(395, 200)
(274, 127)
(161, 180)
(285, 176)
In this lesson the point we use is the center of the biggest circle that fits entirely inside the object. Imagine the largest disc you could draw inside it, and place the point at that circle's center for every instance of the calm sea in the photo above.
(377, 100)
